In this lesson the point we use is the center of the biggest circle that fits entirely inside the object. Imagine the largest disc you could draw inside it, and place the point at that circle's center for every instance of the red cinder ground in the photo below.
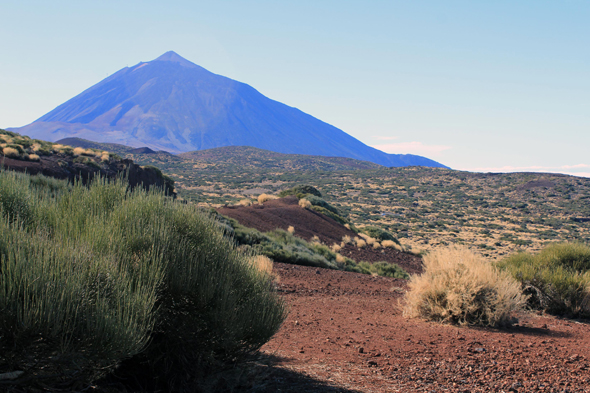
(346, 333)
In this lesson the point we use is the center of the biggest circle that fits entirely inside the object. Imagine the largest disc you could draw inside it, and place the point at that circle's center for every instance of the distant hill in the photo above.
(247, 157)
(174, 105)
(229, 158)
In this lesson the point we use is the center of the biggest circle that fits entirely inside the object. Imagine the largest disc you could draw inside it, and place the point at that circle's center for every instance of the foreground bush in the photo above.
(90, 276)
(460, 287)
(557, 278)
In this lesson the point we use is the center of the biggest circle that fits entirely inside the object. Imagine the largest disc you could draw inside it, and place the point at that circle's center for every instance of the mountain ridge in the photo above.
(175, 105)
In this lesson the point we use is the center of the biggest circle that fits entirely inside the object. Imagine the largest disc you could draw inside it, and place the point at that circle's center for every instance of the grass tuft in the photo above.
(460, 287)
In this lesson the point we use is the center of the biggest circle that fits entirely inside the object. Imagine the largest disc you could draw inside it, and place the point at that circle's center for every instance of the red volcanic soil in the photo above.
(284, 212)
(346, 333)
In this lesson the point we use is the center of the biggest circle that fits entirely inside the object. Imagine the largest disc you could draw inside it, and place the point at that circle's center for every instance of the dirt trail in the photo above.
(346, 333)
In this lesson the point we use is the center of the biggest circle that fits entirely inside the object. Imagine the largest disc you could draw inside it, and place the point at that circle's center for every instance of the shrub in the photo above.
(304, 203)
(91, 276)
(291, 229)
(330, 214)
(336, 247)
(389, 244)
(10, 152)
(245, 202)
(557, 278)
(460, 287)
(300, 191)
(265, 197)
(78, 151)
(384, 269)
(378, 234)
(262, 264)
(319, 202)
(360, 243)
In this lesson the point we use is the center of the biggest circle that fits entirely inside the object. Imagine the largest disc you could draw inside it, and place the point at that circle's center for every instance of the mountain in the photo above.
(174, 105)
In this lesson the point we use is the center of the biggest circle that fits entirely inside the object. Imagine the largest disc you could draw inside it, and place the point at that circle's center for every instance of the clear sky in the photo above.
(476, 85)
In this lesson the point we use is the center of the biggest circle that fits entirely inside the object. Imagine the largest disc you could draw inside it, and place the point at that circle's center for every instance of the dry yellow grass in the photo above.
(291, 229)
(315, 239)
(459, 286)
(78, 151)
(304, 203)
(105, 157)
(264, 265)
(34, 157)
(340, 258)
(245, 202)
(336, 247)
(360, 243)
(376, 245)
(389, 244)
(10, 152)
(265, 197)
(346, 239)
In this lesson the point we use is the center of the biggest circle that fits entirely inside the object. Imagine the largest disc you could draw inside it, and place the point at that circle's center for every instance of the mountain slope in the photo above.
(174, 105)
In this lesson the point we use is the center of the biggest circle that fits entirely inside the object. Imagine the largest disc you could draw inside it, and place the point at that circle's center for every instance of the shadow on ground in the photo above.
(261, 374)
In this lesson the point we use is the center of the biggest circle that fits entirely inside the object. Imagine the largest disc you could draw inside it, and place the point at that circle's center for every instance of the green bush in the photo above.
(557, 278)
(378, 233)
(94, 275)
(384, 269)
(300, 190)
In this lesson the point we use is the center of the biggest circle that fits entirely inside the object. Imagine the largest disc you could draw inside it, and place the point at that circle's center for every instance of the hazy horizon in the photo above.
(481, 87)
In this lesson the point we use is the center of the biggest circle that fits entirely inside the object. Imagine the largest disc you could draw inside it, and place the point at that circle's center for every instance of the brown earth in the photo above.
(284, 212)
(346, 333)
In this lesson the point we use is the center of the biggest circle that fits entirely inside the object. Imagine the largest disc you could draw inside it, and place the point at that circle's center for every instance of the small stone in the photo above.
(361, 350)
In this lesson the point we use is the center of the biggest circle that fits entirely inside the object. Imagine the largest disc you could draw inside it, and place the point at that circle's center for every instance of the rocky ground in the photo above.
(346, 333)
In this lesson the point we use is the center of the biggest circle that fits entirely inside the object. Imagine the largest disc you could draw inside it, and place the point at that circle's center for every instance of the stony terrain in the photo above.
(346, 333)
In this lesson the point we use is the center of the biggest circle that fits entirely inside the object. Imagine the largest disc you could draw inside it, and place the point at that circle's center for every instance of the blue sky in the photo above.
(481, 86)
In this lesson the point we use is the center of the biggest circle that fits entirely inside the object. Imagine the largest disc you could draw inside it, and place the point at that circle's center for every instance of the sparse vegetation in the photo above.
(384, 269)
(557, 279)
(460, 287)
(282, 246)
(304, 203)
(265, 197)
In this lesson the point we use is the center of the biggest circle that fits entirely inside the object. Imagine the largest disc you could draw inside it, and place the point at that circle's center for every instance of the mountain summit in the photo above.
(175, 105)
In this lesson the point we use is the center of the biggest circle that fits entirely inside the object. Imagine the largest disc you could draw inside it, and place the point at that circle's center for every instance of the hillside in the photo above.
(226, 159)
(23, 154)
(174, 105)
(425, 207)
(496, 213)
